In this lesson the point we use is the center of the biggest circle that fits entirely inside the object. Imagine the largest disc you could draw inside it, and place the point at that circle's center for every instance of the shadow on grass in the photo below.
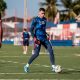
(70, 71)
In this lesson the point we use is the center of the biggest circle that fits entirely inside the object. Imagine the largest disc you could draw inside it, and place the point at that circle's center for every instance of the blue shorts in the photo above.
(25, 42)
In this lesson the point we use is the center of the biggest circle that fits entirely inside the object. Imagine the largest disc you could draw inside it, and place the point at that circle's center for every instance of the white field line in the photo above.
(40, 56)
(77, 55)
(40, 73)
(37, 79)
(33, 73)
(70, 69)
(42, 65)
(14, 56)
(14, 62)
(26, 73)
(11, 62)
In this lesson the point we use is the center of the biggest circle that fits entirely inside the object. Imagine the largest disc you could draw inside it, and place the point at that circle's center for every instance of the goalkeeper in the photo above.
(38, 32)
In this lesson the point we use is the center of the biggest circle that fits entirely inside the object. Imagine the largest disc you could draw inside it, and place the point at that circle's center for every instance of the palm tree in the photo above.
(72, 6)
(77, 7)
(51, 8)
(3, 6)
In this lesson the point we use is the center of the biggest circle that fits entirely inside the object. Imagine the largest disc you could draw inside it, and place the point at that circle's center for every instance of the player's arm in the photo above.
(33, 25)
(32, 30)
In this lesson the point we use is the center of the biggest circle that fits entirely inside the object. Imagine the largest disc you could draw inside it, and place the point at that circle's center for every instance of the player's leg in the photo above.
(27, 44)
(24, 47)
(33, 57)
(48, 46)
(36, 53)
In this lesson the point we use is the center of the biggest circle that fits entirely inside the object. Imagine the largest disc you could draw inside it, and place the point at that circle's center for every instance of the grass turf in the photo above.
(12, 61)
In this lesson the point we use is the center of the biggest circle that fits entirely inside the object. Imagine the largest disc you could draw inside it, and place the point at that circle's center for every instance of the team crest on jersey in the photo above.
(41, 22)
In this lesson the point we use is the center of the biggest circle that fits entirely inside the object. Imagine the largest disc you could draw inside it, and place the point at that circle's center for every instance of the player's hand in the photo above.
(48, 37)
(36, 40)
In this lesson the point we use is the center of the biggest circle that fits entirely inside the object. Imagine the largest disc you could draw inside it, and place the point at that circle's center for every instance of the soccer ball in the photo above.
(58, 69)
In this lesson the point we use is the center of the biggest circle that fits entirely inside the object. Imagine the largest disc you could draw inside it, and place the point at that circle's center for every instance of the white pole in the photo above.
(25, 13)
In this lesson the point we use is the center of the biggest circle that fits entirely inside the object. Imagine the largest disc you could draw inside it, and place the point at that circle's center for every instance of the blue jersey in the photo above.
(38, 28)
(25, 35)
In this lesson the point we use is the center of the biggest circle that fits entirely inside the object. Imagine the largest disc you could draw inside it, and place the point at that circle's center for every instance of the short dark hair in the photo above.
(41, 9)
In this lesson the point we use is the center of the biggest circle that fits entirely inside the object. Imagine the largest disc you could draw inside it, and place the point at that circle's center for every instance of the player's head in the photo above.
(24, 29)
(41, 12)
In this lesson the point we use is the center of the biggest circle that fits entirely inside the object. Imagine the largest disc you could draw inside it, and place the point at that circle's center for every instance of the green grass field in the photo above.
(12, 61)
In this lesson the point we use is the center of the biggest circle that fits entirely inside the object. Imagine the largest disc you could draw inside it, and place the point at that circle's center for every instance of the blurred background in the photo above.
(63, 20)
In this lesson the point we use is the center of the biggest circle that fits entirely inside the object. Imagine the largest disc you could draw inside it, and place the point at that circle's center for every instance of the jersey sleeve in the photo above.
(33, 24)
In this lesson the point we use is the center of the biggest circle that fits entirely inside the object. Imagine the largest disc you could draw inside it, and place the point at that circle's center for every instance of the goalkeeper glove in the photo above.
(36, 40)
